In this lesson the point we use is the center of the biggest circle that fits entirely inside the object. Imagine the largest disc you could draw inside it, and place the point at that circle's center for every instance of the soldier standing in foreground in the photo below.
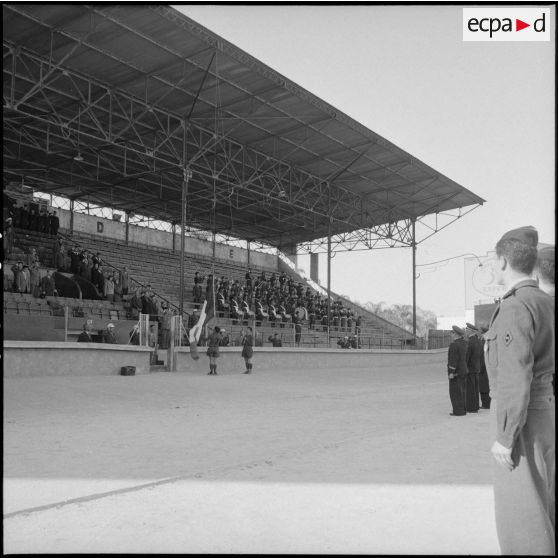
(519, 354)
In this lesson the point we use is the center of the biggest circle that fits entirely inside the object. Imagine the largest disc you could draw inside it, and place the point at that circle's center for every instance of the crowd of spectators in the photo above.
(28, 216)
(110, 283)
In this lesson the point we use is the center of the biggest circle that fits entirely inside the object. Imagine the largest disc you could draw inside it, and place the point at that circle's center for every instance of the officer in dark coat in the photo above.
(519, 353)
(473, 368)
(457, 371)
(484, 384)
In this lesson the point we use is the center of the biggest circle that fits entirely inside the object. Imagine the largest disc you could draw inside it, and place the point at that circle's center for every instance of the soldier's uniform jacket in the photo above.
(474, 349)
(457, 357)
(519, 357)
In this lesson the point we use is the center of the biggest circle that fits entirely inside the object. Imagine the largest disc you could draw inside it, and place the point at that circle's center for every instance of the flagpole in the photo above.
(186, 174)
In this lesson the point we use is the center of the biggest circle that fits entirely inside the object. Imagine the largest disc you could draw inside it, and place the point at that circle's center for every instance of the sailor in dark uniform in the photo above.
(519, 354)
(213, 349)
(248, 349)
(473, 368)
(457, 371)
(484, 384)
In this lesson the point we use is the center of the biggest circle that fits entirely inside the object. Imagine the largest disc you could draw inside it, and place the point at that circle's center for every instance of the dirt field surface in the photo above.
(306, 461)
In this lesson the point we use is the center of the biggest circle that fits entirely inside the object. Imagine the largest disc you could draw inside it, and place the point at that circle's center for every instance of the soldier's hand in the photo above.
(502, 456)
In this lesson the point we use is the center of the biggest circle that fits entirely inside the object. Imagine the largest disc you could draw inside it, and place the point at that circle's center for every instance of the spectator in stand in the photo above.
(54, 223)
(109, 334)
(43, 222)
(32, 257)
(124, 281)
(358, 324)
(85, 336)
(19, 278)
(24, 222)
(17, 213)
(82, 269)
(59, 251)
(9, 237)
(97, 259)
(197, 292)
(153, 307)
(88, 266)
(96, 278)
(48, 287)
(33, 219)
(109, 288)
(27, 276)
(145, 301)
(343, 343)
(117, 287)
(275, 341)
(136, 304)
(225, 340)
(74, 260)
(35, 279)
(249, 282)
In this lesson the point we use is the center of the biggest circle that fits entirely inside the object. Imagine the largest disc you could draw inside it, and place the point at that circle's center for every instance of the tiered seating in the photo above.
(44, 243)
(25, 304)
(160, 268)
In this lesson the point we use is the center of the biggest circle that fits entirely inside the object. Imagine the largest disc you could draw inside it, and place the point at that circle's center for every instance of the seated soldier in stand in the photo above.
(109, 334)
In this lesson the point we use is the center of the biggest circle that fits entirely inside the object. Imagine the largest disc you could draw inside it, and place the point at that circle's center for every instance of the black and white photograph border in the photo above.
(319, 450)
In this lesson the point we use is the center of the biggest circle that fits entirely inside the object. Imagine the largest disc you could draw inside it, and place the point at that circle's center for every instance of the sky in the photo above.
(481, 113)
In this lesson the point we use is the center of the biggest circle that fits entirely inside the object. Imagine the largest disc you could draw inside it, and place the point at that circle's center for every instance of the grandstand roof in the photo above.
(111, 102)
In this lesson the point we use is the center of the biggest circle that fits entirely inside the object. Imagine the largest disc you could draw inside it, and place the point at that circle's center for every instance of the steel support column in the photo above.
(187, 174)
(329, 270)
(414, 249)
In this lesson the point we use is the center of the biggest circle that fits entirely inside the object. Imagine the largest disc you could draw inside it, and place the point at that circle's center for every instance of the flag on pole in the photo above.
(207, 312)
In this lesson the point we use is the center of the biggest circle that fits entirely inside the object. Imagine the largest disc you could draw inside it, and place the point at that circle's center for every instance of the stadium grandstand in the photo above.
(183, 170)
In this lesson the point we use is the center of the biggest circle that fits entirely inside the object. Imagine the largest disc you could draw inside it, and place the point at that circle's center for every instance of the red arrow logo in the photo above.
(519, 25)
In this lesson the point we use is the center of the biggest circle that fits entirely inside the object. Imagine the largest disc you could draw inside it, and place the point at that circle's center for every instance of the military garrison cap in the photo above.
(471, 326)
(528, 235)
(457, 330)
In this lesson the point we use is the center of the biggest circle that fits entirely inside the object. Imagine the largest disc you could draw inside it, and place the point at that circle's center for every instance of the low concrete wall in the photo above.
(269, 358)
(44, 358)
